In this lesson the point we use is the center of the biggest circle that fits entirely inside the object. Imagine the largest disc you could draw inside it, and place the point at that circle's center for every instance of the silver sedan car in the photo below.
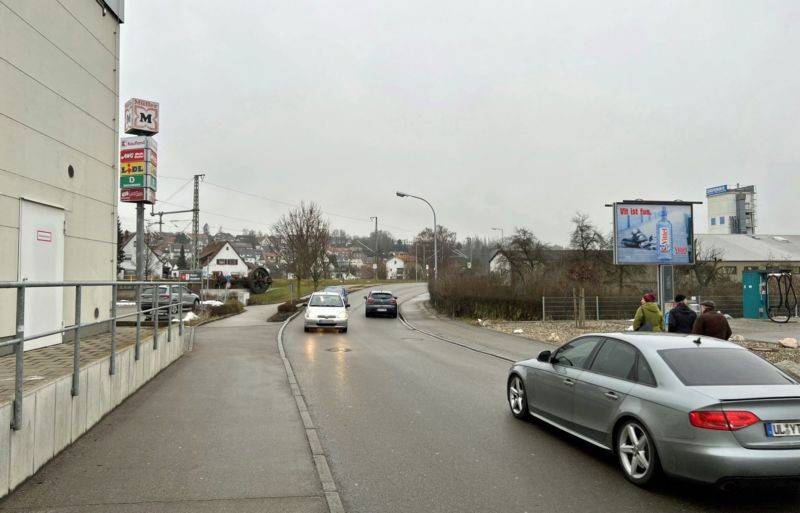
(685, 405)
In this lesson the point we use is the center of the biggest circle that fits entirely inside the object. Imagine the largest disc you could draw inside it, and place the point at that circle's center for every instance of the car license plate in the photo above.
(325, 322)
(783, 428)
(381, 309)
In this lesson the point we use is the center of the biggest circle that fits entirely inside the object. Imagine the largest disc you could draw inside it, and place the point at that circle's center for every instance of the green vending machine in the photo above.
(754, 294)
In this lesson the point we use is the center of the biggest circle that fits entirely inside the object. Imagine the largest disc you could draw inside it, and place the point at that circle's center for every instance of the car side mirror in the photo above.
(544, 356)
(395, 297)
(365, 297)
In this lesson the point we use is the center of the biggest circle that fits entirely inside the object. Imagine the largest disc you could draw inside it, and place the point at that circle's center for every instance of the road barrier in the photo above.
(20, 337)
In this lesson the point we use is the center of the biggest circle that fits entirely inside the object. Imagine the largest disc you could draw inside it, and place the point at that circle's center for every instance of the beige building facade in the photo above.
(59, 136)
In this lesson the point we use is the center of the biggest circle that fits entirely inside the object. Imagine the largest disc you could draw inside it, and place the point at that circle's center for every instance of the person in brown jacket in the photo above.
(711, 323)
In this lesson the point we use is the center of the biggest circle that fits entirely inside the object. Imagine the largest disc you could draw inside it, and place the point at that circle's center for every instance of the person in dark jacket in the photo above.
(681, 317)
(711, 323)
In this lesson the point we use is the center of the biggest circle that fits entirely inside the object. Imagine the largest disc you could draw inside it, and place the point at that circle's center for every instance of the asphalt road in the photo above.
(412, 423)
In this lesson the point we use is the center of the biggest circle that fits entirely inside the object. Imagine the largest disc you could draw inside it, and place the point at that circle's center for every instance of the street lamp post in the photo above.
(502, 235)
(435, 252)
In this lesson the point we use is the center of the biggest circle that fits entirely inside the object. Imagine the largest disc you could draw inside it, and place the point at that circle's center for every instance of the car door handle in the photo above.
(569, 382)
(612, 396)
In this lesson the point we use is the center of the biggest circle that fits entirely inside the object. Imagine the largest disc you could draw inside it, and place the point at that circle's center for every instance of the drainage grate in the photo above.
(338, 350)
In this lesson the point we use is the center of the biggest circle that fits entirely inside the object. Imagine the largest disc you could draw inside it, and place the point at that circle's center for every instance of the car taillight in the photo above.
(370, 301)
(723, 420)
(393, 302)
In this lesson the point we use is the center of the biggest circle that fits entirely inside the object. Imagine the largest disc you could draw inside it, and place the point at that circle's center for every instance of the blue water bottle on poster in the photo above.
(664, 231)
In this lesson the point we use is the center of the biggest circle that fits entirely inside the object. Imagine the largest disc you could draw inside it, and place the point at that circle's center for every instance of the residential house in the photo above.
(400, 267)
(153, 262)
(220, 259)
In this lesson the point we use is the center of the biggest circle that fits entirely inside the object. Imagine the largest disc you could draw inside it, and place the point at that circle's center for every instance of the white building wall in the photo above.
(721, 207)
(59, 107)
(395, 269)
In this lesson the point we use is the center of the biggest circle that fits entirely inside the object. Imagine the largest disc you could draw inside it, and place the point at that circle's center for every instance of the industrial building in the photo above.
(731, 209)
(59, 108)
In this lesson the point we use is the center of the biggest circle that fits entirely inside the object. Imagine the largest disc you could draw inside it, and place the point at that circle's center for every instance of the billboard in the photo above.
(138, 161)
(141, 117)
(653, 233)
(142, 195)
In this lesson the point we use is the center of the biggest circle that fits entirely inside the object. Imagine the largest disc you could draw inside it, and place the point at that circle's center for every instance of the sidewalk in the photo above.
(219, 430)
(765, 330)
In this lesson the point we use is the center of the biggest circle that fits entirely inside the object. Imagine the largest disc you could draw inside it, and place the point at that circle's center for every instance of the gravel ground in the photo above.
(558, 332)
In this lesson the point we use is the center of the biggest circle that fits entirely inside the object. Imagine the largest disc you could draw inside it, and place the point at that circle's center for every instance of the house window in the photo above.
(713, 221)
(227, 261)
(721, 220)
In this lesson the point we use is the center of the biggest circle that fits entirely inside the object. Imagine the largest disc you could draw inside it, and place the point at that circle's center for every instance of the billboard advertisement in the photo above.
(653, 233)
(142, 195)
(141, 117)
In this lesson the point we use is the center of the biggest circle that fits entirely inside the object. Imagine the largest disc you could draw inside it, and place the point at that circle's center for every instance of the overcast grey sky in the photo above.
(501, 114)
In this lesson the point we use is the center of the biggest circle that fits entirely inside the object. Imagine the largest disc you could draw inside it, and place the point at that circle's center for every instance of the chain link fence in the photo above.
(608, 308)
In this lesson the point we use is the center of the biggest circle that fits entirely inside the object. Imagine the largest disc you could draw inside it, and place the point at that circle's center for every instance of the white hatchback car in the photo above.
(326, 310)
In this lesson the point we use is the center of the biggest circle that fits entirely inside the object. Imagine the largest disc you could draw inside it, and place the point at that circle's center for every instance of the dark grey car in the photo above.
(690, 406)
(170, 295)
(380, 302)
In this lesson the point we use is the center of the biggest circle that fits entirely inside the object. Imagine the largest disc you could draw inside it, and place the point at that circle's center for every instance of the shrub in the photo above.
(231, 306)
(289, 306)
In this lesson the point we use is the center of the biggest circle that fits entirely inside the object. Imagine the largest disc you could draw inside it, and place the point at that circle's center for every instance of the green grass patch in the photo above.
(279, 291)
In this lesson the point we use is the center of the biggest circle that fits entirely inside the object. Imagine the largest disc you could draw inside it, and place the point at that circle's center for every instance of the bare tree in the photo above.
(587, 243)
(303, 236)
(525, 253)
(707, 267)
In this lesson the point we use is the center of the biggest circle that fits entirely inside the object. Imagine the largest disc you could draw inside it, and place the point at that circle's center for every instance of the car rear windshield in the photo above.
(326, 300)
(382, 295)
(699, 366)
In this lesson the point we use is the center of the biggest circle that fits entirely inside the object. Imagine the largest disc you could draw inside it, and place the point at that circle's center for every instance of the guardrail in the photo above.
(18, 342)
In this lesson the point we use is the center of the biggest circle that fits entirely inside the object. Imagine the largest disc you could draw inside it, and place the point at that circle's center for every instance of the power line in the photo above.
(272, 200)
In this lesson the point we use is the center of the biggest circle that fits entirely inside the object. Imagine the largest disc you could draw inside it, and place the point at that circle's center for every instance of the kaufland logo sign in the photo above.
(141, 117)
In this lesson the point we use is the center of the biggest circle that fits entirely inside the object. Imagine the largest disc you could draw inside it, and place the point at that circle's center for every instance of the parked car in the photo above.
(339, 290)
(326, 310)
(169, 295)
(685, 405)
(380, 302)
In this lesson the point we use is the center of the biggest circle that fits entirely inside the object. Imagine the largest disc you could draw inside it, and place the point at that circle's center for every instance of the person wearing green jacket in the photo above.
(648, 317)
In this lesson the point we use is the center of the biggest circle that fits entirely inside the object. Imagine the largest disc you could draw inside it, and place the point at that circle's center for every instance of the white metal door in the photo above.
(41, 258)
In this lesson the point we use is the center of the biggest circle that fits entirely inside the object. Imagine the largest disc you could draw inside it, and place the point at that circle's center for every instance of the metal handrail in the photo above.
(18, 342)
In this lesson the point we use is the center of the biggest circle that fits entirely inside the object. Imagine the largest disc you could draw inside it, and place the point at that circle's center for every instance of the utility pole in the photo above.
(376, 247)
(196, 222)
(139, 243)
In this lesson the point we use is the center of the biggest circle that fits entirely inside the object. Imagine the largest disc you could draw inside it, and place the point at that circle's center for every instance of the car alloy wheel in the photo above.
(517, 399)
(636, 452)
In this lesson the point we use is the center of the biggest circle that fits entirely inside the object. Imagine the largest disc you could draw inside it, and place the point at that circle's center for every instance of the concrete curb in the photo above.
(317, 452)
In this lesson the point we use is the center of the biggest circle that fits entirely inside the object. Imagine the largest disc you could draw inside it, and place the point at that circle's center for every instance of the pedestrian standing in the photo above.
(681, 317)
(648, 317)
(711, 323)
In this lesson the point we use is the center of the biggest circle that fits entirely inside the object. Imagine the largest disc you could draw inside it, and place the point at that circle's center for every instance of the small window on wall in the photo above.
(721, 220)
(713, 221)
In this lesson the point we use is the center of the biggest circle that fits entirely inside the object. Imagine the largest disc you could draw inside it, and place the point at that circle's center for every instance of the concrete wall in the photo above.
(59, 106)
(52, 418)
